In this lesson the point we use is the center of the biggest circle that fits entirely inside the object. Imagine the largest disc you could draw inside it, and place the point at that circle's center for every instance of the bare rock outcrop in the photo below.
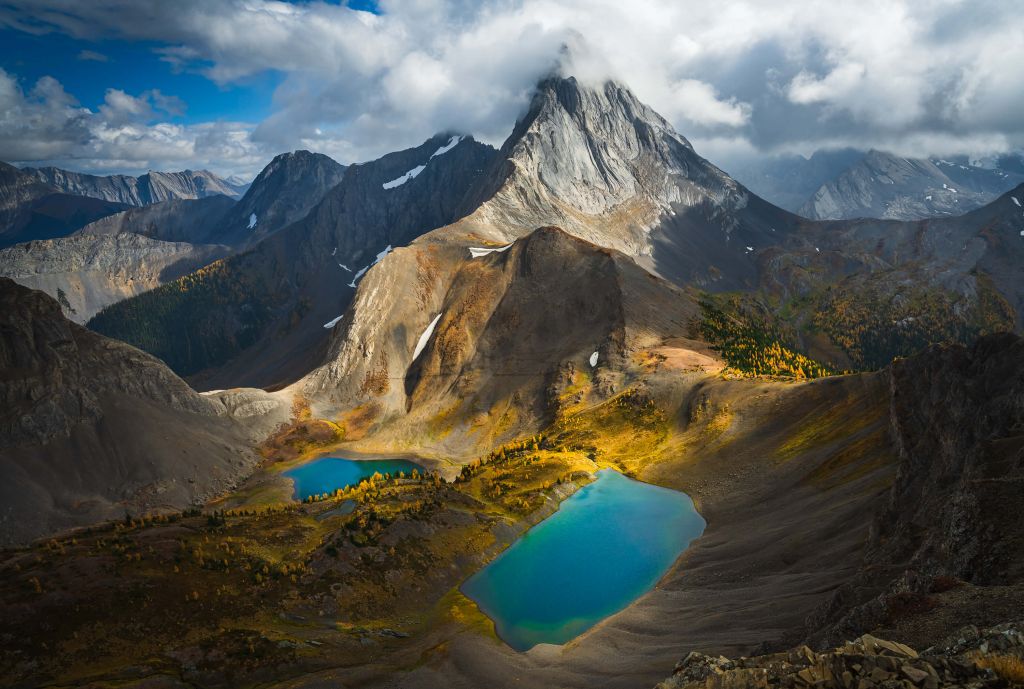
(972, 659)
(957, 417)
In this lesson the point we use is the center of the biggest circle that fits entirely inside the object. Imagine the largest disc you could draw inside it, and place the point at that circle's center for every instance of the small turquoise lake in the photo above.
(328, 474)
(606, 546)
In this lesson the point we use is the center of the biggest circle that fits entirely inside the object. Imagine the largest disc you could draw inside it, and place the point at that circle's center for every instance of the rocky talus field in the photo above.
(972, 659)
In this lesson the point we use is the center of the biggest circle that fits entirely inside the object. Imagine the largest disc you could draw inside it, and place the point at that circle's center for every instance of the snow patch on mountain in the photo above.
(331, 323)
(357, 276)
(425, 337)
(404, 178)
(452, 143)
(380, 257)
(593, 360)
(477, 252)
(1014, 199)
(252, 221)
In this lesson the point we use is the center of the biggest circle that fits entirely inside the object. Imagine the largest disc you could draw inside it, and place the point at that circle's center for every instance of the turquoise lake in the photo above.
(328, 474)
(607, 545)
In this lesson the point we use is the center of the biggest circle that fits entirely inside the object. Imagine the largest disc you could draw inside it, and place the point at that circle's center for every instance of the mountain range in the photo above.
(137, 249)
(846, 184)
(842, 399)
(152, 187)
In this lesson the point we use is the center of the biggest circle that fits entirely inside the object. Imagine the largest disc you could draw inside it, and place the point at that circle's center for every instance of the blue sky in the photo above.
(132, 67)
(227, 85)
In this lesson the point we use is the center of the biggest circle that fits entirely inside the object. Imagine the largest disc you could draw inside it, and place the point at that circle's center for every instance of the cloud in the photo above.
(740, 75)
(93, 56)
(46, 125)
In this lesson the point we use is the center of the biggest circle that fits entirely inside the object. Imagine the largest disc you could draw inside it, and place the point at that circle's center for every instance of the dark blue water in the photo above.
(330, 473)
(606, 546)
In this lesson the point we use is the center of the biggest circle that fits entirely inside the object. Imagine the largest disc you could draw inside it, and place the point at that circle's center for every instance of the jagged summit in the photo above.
(282, 193)
(884, 185)
(596, 161)
(593, 150)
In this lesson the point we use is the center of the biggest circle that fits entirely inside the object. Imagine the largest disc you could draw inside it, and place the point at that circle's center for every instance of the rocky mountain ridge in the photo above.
(176, 237)
(30, 209)
(488, 342)
(85, 273)
(152, 187)
(91, 427)
(283, 291)
(883, 185)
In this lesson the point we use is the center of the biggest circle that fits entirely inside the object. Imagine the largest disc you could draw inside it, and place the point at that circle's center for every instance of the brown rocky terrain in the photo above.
(92, 428)
(87, 272)
(992, 657)
(512, 330)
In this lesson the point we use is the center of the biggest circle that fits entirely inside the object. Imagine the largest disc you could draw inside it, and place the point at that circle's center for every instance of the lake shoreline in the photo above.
(596, 524)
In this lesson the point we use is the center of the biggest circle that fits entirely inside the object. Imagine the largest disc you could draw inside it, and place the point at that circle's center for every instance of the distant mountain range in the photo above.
(129, 251)
(847, 184)
(31, 209)
(152, 187)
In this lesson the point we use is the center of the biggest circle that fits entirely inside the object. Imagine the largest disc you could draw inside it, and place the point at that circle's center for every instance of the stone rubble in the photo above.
(866, 663)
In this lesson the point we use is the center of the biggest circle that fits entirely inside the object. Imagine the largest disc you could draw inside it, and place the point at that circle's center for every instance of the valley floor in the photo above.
(259, 590)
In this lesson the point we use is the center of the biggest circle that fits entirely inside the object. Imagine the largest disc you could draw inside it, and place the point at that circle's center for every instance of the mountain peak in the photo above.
(592, 147)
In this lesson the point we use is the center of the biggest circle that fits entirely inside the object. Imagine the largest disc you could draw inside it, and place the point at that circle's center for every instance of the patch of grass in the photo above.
(1007, 667)
(626, 431)
(358, 421)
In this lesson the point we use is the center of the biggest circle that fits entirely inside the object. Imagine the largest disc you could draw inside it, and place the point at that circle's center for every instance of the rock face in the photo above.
(789, 180)
(196, 221)
(865, 663)
(259, 316)
(957, 418)
(152, 187)
(91, 428)
(603, 166)
(17, 190)
(30, 209)
(284, 192)
(490, 338)
(86, 273)
(882, 185)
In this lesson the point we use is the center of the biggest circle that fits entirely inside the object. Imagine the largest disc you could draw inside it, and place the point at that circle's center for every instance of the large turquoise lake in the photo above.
(607, 545)
(330, 473)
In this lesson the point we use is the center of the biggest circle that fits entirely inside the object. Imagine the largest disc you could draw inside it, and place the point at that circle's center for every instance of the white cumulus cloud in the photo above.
(734, 75)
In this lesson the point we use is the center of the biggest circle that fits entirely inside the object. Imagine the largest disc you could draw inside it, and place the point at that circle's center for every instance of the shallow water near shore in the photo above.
(327, 474)
(607, 545)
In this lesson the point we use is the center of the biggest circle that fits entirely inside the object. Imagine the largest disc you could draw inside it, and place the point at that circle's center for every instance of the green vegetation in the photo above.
(200, 320)
(873, 326)
(751, 345)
